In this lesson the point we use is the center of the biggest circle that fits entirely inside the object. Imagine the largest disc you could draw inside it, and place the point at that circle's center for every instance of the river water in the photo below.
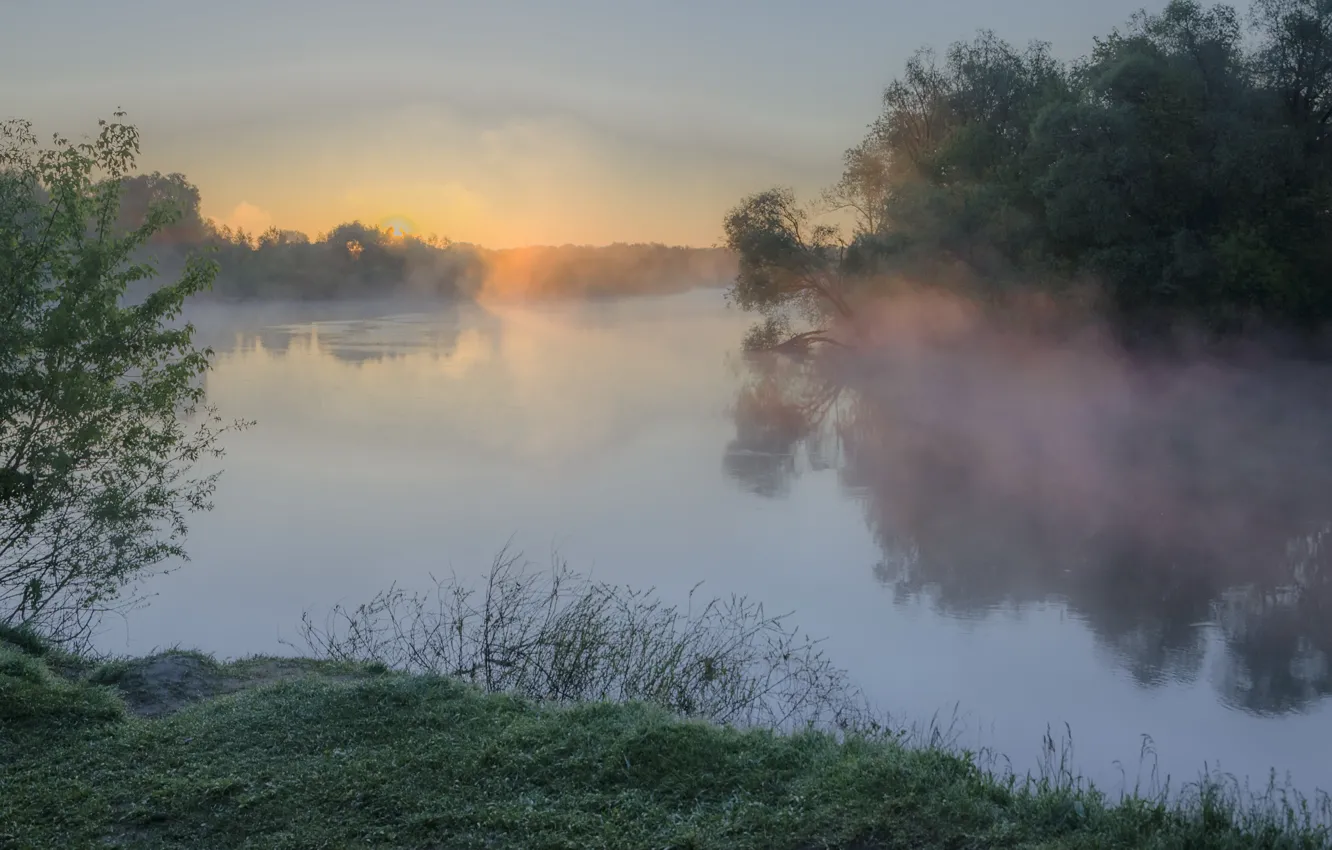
(398, 440)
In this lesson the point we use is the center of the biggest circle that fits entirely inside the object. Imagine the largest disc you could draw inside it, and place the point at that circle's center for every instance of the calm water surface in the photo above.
(394, 441)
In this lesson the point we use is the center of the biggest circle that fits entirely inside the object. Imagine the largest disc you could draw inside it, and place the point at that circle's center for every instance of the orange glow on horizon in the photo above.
(398, 226)
(496, 217)
(479, 230)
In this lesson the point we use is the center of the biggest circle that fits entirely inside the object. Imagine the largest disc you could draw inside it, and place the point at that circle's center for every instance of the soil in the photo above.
(163, 684)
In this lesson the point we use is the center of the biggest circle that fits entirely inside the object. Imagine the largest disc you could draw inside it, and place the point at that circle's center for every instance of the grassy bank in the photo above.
(179, 751)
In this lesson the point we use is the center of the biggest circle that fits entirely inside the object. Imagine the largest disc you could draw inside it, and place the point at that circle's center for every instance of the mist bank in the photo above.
(356, 260)
(594, 271)
(1180, 508)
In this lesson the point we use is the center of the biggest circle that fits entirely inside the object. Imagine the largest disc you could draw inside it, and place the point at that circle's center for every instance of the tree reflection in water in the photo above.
(1164, 506)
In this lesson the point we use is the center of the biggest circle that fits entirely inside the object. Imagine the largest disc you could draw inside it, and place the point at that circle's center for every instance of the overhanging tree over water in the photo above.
(1182, 174)
(1184, 167)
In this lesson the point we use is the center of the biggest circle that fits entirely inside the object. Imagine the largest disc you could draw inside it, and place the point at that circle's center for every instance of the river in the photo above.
(398, 440)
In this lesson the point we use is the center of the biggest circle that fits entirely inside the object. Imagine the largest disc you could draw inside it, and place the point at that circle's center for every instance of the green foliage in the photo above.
(1184, 168)
(423, 761)
(786, 265)
(102, 412)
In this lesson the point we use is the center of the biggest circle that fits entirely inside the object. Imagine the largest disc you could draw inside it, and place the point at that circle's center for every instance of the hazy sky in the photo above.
(503, 123)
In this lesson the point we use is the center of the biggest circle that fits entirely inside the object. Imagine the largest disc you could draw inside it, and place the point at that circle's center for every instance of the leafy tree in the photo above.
(140, 193)
(102, 411)
(1182, 167)
(866, 185)
(790, 269)
(1294, 61)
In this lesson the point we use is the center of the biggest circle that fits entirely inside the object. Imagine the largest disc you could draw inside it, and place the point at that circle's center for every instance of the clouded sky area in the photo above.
(504, 122)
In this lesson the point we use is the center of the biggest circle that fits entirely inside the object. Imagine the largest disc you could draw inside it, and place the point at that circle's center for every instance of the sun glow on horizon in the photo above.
(507, 183)
(398, 225)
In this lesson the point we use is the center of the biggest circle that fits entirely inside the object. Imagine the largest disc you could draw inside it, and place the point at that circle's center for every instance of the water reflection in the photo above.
(775, 426)
(363, 340)
(1164, 507)
(396, 441)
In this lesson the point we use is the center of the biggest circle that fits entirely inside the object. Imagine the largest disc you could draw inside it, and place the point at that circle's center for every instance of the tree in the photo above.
(1182, 168)
(787, 265)
(140, 193)
(1295, 59)
(102, 410)
(866, 185)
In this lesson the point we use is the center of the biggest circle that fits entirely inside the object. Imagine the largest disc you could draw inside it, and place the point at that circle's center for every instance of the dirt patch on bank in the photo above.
(163, 684)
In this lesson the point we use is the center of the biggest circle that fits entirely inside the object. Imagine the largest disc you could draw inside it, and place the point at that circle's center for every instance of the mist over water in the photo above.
(1029, 533)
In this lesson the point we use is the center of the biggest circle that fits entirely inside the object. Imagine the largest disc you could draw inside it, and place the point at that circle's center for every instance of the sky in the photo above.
(501, 123)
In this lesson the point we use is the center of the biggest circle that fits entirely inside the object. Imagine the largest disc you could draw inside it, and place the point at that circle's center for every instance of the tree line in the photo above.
(1181, 172)
(354, 259)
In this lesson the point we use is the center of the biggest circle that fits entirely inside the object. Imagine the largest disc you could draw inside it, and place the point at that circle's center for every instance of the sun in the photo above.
(398, 225)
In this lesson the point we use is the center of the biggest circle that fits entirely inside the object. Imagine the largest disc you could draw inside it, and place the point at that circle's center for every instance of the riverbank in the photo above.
(178, 750)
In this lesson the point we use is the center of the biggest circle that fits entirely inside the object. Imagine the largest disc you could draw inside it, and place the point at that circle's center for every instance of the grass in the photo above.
(340, 755)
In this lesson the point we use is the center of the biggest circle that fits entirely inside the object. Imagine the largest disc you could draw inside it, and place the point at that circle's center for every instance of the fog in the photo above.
(1017, 459)
(587, 271)
(1023, 420)
(969, 529)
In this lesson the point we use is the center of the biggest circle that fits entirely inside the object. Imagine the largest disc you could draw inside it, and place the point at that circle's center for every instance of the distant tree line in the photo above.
(355, 259)
(1182, 171)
